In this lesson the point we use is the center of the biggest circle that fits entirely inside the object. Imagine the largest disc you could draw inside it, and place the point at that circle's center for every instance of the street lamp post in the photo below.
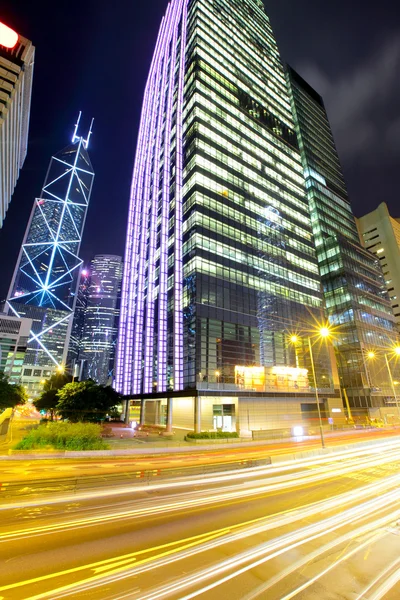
(324, 332)
(316, 393)
(392, 382)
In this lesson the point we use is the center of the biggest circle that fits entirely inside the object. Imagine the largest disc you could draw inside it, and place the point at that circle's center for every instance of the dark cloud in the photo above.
(362, 103)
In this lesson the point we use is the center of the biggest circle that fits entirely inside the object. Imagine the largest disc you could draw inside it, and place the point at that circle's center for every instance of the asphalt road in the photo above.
(325, 528)
(14, 469)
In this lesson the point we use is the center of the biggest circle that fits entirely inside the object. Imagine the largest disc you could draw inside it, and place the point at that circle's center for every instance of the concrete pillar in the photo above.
(157, 412)
(168, 428)
(142, 410)
(127, 412)
(197, 414)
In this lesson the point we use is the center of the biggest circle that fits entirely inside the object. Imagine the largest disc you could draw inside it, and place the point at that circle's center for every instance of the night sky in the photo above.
(93, 55)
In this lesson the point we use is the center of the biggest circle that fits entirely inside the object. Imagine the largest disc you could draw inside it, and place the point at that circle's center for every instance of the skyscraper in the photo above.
(380, 234)
(45, 279)
(220, 262)
(353, 283)
(97, 345)
(16, 72)
(75, 341)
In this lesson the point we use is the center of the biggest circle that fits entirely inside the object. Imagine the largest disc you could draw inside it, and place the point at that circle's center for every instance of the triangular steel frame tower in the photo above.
(46, 276)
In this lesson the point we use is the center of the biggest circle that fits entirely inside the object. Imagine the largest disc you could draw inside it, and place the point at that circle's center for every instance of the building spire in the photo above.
(77, 137)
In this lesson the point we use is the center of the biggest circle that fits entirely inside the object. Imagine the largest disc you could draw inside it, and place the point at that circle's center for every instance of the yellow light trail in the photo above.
(193, 481)
(270, 550)
(191, 546)
(205, 498)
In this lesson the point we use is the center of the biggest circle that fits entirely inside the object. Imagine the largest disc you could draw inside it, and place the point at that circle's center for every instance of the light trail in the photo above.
(237, 487)
(204, 498)
(197, 499)
(387, 584)
(270, 550)
(193, 481)
(343, 539)
(121, 567)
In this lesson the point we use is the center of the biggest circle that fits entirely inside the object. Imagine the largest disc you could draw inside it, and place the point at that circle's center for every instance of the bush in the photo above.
(212, 435)
(64, 436)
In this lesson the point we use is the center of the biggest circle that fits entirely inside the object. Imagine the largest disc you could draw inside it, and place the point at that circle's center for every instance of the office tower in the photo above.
(45, 279)
(74, 360)
(14, 334)
(16, 73)
(220, 263)
(354, 288)
(97, 346)
(380, 234)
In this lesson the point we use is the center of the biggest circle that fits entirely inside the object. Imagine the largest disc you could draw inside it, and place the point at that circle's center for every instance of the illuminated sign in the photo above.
(8, 37)
(265, 378)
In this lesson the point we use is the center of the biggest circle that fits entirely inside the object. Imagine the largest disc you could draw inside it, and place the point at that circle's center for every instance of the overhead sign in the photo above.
(8, 37)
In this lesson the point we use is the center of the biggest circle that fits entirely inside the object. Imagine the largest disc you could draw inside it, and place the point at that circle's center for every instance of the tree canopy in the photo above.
(10, 395)
(56, 381)
(47, 401)
(86, 401)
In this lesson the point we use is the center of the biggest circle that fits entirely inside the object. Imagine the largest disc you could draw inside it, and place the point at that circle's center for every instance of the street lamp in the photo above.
(324, 333)
(217, 374)
(396, 351)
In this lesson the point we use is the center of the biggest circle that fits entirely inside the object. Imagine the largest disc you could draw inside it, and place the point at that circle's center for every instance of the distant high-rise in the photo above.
(45, 279)
(220, 264)
(14, 334)
(16, 73)
(100, 323)
(380, 234)
(78, 324)
(353, 284)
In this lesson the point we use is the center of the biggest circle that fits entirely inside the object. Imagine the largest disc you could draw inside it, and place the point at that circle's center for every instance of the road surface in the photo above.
(323, 528)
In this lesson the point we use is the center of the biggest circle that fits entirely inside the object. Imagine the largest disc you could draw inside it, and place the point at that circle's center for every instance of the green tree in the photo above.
(11, 395)
(47, 401)
(56, 381)
(86, 401)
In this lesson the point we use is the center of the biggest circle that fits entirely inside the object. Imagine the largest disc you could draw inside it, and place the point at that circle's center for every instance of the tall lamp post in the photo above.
(323, 332)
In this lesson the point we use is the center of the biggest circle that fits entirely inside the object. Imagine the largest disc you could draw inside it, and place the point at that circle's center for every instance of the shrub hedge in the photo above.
(64, 436)
(212, 435)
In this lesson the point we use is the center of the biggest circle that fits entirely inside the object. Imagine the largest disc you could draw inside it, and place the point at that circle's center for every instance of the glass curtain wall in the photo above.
(220, 258)
(353, 283)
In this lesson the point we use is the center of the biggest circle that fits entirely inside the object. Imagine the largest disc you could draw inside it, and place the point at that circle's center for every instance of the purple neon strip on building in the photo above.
(163, 98)
(124, 363)
(126, 328)
(163, 291)
(178, 271)
(140, 294)
(155, 184)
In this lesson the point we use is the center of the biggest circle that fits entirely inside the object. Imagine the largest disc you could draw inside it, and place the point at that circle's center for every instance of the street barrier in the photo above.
(18, 489)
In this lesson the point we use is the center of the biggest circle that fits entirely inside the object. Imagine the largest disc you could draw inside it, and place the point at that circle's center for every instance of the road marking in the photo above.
(188, 542)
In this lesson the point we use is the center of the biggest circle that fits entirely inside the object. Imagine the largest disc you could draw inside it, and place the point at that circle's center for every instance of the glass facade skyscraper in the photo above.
(78, 324)
(45, 280)
(17, 57)
(100, 318)
(220, 262)
(353, 283)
